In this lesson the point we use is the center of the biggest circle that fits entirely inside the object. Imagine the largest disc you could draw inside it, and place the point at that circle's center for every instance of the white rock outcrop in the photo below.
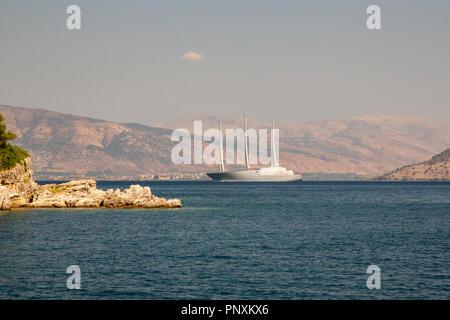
(84, 194)
(5, 201)
(18, 190)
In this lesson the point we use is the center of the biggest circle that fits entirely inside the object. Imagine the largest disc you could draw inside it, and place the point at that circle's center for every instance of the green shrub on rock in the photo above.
(9, 155)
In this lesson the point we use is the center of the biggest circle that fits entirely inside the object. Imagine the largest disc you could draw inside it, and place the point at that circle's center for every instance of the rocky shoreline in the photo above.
(18, 190)
(435, 169)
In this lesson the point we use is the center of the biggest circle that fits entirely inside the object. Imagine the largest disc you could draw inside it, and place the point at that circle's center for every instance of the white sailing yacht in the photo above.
(274, 173)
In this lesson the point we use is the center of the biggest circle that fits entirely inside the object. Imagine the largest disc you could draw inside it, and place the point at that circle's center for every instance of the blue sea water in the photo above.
(307, 240)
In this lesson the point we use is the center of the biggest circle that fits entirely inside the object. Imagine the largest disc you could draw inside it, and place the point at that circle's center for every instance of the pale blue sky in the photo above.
(288, 60)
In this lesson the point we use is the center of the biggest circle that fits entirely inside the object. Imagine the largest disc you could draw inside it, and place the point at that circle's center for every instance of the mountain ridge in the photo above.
(368, 145)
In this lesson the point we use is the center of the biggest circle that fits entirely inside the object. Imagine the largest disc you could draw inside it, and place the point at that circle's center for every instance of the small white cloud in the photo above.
(192, 56)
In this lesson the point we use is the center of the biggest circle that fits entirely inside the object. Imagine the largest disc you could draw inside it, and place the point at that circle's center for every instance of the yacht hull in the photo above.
(252, 176)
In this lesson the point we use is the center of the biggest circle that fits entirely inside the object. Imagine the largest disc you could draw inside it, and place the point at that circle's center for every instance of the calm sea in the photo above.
(307, 240)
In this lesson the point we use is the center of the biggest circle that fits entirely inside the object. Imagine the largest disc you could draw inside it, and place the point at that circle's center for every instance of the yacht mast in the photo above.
(246, 143)
(274, 156)
(222, 166)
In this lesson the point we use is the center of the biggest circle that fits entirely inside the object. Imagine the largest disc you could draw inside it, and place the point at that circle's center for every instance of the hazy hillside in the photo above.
(437, 168)
(66, 143)
(368, 145)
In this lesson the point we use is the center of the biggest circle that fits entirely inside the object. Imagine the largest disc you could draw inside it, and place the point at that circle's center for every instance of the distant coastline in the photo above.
(65, 146)
(189, 177)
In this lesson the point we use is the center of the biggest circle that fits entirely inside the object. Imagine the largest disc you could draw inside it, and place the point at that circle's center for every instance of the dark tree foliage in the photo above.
(9, 155)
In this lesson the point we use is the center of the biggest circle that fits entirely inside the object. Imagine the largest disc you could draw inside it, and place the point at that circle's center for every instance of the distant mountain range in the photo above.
(366, 146)
(437, 168)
